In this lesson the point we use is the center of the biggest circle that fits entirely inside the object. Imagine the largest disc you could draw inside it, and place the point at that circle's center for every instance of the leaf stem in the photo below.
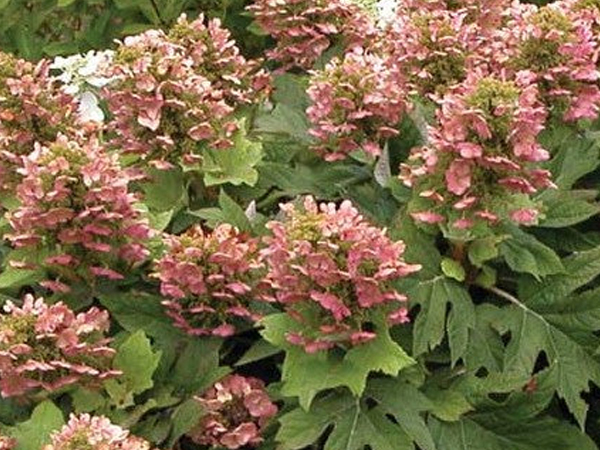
(515, 301)
(505, 295)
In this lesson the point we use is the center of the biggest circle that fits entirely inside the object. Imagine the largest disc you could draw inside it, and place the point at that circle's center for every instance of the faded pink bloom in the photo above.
(328, 263)
(427, 217)
(305, 29)
(32, 109)
(557, 48)
(209, 279)
(76, 207)
(482, 155)
(237, 409)
(94, 433)
(175, 94)
(357, 104)
(525, 216)
(7, 443)
(435, 47)
(49, 346)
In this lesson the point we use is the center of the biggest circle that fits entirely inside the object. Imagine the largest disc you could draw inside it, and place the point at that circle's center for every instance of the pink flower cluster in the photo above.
(556, 47)
(210, 279)
(32, 109)
(77, 211)
(7, 443)
(333, 273)
(94, 433)
(487, 14)
(176, 93)
(237, 410)
(356, 104)
(436, 48)
(305, 29)
(481, 160)
(48, 346)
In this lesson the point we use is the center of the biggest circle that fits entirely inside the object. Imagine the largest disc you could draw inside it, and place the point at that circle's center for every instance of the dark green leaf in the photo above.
(34, 433)
(524, 253)
(306, 374)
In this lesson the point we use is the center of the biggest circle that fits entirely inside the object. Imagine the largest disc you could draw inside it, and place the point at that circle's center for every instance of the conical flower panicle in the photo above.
(173, 93)
(305, 29)
(555, 46)
(482, 162)
(49, 346)
(237, 409)
(32, 109)
(77, 210)
(209, 279)
(332, 271)
(357, 103)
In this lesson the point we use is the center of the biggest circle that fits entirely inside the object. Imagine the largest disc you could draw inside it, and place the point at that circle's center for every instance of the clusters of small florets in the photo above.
(557, 49)
(7, 443)
(305, 29)
(236, 410)
(77, 211)
(333, 273)
(48, 346)
(357, 104)
(435, 48)
(481, 160)
(85, 432)
(175, 93)
(210, 279)
(32, 109)
(487, 14)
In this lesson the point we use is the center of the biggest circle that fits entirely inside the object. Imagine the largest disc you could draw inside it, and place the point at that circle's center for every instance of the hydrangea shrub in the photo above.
(301, 224)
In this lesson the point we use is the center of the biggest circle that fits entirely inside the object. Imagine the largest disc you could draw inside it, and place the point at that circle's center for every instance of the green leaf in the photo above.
(233, 213)
(579, 269)
(354, 427)
(65, 3)
(573, 367)
(136, 359)
(289, 115)
(448, 404)
(484, 249)
(407, 404)
(235, 165)
(575, 155)
(13, 278)
(544, 433)
(434, 296)
(198, 366)
(261, 349)
(35, 433)
(567, 208)
(452, 269)
(185, 417)
(524, 253)
(85, 400)
(420, 247)
(306, 374)
(321, 180)
(139, 310)
(165, 191)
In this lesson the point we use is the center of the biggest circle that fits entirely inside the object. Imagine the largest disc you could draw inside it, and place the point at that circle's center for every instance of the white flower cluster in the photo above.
(81, 75)
(386, 11)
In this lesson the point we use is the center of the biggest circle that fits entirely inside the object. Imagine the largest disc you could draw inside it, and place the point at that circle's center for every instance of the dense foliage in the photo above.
(299, 224)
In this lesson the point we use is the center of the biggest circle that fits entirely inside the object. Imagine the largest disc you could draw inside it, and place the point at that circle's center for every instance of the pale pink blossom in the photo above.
(329, 260)
(237, 409)
(49, 346)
